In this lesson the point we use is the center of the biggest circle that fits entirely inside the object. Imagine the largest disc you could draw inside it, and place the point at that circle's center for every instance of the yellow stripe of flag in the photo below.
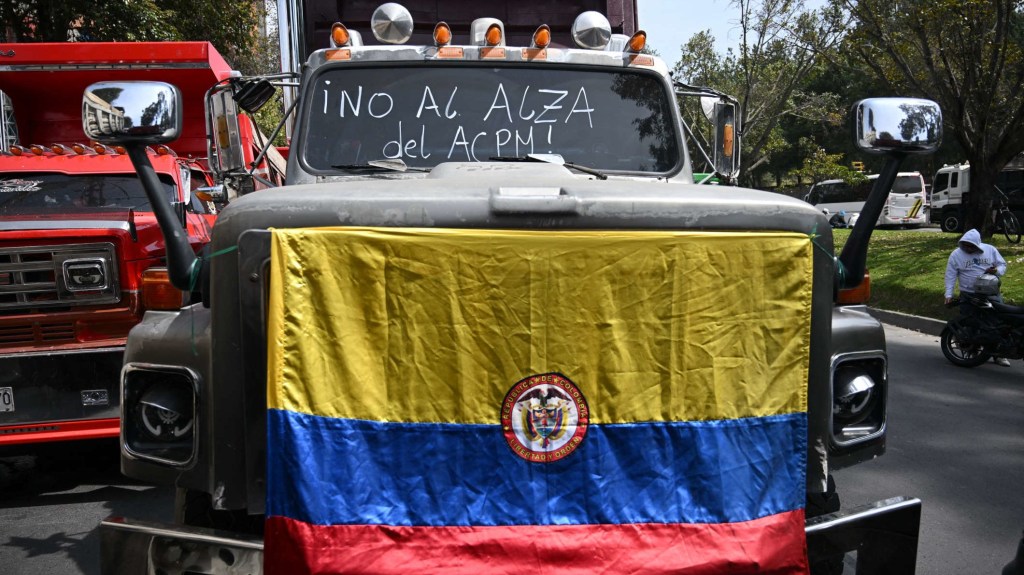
(435, 325)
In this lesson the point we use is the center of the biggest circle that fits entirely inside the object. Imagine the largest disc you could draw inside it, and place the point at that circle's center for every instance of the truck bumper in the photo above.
(139, 547)
(883, 535)
(59, 395)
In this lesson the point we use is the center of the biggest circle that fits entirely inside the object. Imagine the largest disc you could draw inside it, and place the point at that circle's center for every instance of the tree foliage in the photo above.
(967, 55)
(820, 165)
(781, 45)
(233, 26)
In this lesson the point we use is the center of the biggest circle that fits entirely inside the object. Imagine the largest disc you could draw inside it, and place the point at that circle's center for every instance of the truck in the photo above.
(81, 256)
(952, 183)
(491, 323)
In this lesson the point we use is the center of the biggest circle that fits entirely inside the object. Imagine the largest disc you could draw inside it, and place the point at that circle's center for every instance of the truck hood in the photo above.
(145, 241)
(515, 195)
(118, 220)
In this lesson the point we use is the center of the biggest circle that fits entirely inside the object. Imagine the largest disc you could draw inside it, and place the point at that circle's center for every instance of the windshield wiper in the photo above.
(396, 165)
(551, 159)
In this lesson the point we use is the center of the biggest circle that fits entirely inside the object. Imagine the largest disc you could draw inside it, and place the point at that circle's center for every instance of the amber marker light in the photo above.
(37, 149)
(120, 149)
(637, 41)
(857, 295)
(493, 35)
(162, 150)
(157, 291)
(17, 150)
(339, 34)
(60, 149)
(442, 34)
(82, 149)
(542, 37)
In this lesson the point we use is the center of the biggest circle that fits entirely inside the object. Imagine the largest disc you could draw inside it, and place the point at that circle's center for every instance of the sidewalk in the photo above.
(917, 323)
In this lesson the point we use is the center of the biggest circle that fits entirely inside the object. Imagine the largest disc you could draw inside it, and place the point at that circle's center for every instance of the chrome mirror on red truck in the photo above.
(131, 112)
(134, 115)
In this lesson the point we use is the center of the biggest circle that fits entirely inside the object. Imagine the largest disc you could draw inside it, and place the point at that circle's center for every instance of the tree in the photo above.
(968, 56)
(112, 20)
(781, 44)
(235, 27)
(819, 165)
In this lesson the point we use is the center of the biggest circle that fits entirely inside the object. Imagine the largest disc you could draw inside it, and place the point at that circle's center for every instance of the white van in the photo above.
(906, 205)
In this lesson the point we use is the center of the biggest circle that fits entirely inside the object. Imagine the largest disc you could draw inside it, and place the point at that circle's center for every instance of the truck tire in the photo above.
(951, 221)
(195, 508)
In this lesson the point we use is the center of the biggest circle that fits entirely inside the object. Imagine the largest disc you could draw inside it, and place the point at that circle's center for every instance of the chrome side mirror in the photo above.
(132, 112)
(901, 125)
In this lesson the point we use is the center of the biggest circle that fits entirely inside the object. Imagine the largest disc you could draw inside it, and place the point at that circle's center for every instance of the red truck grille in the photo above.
(37, 333)
(62, 275)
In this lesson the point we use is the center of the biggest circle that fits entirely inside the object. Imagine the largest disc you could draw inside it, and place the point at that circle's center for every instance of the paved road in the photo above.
(956, 440)
(50, 506)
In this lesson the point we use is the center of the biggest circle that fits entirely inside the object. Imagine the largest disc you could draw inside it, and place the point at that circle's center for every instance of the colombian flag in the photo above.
(468, 401)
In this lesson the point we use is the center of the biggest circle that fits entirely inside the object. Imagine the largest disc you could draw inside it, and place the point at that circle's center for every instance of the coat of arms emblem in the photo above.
(544, 417)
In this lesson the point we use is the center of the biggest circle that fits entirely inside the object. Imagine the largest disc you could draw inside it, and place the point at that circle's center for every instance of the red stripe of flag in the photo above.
(769, 545)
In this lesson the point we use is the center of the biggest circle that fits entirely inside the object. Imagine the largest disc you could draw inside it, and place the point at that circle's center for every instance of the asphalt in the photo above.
(926, 325)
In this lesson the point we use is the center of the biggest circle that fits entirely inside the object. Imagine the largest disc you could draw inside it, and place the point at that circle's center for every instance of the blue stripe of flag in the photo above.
(330, 471)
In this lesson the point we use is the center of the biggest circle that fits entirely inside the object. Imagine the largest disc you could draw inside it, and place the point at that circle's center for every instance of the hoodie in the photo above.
(965, 268)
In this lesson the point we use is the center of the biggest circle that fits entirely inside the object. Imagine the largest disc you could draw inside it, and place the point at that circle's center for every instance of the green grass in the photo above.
(907, 270)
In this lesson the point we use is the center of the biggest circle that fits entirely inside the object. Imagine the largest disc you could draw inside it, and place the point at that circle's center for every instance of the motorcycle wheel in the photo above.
(961, 353)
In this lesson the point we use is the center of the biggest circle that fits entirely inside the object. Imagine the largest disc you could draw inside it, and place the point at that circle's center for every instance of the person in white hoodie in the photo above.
(970, 260)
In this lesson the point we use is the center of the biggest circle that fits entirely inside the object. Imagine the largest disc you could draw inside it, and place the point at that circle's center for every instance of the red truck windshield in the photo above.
(34, 193)
(616, 120)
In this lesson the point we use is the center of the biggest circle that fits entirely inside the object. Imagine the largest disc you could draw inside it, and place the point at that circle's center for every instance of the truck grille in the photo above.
(62, 275)
(37, 332)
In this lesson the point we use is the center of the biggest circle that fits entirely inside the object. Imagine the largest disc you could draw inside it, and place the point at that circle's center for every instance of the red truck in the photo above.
(81, 255)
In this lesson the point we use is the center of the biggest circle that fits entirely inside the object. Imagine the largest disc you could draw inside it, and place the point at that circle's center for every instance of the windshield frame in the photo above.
(300, 139)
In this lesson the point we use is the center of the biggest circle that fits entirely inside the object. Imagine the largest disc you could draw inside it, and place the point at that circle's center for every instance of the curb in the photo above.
(926, 325)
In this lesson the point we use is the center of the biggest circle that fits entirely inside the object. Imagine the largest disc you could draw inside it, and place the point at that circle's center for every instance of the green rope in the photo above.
(838, 263)
(197, 267)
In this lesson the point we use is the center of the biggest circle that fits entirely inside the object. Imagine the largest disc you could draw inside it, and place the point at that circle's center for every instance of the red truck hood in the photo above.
(120, 219)
(62, 228)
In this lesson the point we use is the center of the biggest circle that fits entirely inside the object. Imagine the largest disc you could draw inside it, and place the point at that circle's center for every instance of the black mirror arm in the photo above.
(853, 258)
(180, 257)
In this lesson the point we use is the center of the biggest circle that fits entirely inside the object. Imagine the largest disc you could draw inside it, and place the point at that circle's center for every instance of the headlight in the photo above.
(854, 394)
(858, 399)
(158, 413)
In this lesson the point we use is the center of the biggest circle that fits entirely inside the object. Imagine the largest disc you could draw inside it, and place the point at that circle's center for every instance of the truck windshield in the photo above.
(618, 120)
(34, 193)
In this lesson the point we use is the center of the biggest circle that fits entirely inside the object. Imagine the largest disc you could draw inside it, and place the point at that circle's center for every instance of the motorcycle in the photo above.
(987, 328)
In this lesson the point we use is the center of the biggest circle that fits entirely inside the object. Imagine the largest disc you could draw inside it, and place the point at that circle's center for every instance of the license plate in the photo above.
(6, 399)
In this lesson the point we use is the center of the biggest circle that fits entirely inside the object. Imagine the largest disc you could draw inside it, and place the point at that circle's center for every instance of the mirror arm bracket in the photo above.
(853, 259)
(180, 257)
